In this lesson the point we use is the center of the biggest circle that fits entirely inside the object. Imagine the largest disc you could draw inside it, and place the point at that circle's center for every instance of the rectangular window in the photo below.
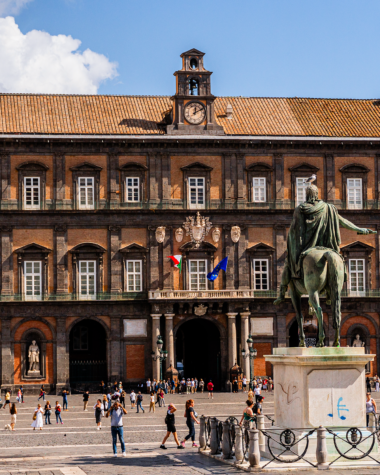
(197, 275)
(301, 186)
(357, 276)
(134, 276)
(87, 278)
(32, 279)
(354, 193)
(197, 193)
(86, 192)
(32, 192)
(132, 189)
(260, 274)
(259, 190)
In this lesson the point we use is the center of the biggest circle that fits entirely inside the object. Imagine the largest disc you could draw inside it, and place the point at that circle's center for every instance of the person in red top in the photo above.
(210, 389)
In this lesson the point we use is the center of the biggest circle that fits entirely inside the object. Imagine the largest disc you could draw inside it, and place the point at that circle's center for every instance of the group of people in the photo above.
(170, 386)
(265, 384)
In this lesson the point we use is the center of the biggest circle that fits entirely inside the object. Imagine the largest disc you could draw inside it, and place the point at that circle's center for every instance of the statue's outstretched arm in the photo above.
(351, 226)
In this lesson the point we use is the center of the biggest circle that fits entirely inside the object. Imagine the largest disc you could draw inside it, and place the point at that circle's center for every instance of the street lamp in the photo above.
(251, 355)
(162, 354)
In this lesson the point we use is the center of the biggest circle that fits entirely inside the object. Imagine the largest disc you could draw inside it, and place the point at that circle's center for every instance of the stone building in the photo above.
(97, 191)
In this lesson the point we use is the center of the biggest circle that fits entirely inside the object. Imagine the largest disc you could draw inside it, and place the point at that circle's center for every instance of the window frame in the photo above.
(355, 171)
(133, 187)
(32, 170)
(88, 274)
(198, 273)
(32, 186)
(86, 170)
(303, 187)
(86, 187)
(135, 252)
(87, 252)
(263, 187)
(133, 170)
(31, 253)
(196, 170)
(262, 252)
(355, 188)
(356, 272)
(196, 187)
(259, 170)
(303, 170)
(134, 274)
(261, 273)
(33, 296)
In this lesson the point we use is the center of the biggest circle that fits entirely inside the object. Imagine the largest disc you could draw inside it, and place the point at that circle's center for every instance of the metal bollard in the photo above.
(239, 453)
(254, 449)
(202, 433)
(261, 426)
(214, 445)
(321, 449)
(226, 446)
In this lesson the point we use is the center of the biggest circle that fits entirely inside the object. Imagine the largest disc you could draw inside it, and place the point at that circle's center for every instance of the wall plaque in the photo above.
(135, 327)
(262, 326)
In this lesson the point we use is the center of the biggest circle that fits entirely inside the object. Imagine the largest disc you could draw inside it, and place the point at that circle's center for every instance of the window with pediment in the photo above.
(33, 278)
(87, 263)
(86, 186)
(259, 182)
(32, 185)
(196, 186)
(261, 259)
(133, 189)
(358, 260)
(196, 264)
(134, 268)
(354, 185)
(299, 175)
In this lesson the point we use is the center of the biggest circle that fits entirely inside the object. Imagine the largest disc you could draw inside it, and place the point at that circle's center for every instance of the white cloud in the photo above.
(38, 62)
(12, 7)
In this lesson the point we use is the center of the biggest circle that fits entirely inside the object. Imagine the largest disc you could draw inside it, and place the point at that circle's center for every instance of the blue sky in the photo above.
(304, 48)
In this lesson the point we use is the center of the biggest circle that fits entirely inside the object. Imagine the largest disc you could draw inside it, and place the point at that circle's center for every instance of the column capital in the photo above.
(155, 316)
(245, 314)
(231, 315)
(169, 315)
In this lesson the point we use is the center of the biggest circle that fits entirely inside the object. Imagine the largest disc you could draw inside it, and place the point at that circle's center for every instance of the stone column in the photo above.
(244, 337)
(169, 339)
(7, 362)
(155, 334)
(232, 354)
(63, 360)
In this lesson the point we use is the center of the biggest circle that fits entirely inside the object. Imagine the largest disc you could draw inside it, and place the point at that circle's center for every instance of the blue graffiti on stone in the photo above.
(341, 408)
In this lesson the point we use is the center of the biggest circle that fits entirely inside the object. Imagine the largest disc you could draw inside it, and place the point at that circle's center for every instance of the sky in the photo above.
(267, 48)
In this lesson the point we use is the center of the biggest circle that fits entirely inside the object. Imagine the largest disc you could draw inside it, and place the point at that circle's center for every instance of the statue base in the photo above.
(35, 372)
(319, 387)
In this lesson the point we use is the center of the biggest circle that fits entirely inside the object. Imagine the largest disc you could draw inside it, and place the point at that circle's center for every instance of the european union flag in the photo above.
(221, 266)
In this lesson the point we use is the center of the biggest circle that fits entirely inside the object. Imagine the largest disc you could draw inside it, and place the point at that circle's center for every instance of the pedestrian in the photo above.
(257, 392)
(377, 383)
(201, 385)
(13, 412)
(172, 386)
(58, 410)
(152, 404)
(7, 398)
(109, 399)
(244, 380)
(22, 393)
(64, 397)
(148, 384)
(192, 385)
(235, 385)
(188, 386)
(114, 387)
(102, 387)
(248, 414)
(170, 427)
(86, 397)
(250, 395)
(162, 398)
(196, 384)
(42, 393)
(18, 397)
(37, 418)
(99, 411)
(368, 381)
(370, 407)
(191, 417)
(270, 384)
(120, 387)
(132, 397)
(139, 402)
(117, 412)
(122, 398)
(47, 412)
(265, 385)
(210, 389)
(258, 406)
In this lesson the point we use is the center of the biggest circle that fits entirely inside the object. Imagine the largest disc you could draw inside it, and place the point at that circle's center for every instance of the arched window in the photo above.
(193, 63)
(194, 87)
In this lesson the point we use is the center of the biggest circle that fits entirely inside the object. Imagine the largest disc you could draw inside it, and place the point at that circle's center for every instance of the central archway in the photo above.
(88, 353)
(198, 349)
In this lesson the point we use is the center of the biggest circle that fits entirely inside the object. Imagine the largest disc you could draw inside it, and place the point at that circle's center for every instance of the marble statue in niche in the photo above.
(34, 358)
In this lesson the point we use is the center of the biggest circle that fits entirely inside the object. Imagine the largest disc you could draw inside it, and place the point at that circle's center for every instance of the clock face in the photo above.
(195, 112)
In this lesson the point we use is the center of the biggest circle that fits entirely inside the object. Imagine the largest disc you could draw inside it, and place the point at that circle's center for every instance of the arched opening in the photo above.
(88, 353)
(194, 87)
(193, 63)
(198, 350)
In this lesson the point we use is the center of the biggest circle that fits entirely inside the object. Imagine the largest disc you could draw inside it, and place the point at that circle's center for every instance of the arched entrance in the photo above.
(198, 349)
(88, 353)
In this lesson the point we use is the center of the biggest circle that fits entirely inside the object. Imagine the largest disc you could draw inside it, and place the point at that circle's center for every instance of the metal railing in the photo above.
(201, 294)
(74, 297)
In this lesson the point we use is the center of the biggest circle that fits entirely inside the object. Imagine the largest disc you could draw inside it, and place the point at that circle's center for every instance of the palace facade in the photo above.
(98, 191)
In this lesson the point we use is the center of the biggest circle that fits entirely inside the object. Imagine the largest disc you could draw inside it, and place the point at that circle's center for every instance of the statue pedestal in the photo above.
(35, 372)
(319, 387)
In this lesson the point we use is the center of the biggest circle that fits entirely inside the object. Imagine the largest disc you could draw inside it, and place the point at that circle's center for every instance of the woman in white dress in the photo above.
(38, 421)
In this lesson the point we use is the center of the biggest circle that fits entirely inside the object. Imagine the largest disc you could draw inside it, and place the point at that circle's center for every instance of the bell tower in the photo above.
(193, 108)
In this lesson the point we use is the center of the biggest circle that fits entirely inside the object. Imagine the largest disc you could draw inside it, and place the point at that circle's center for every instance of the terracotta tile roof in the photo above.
(141, 115)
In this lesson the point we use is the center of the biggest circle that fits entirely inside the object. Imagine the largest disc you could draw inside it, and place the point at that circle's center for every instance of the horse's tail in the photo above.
(334, 269)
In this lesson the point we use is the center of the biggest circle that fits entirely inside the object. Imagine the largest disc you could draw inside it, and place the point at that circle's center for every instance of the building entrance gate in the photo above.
(198, 349)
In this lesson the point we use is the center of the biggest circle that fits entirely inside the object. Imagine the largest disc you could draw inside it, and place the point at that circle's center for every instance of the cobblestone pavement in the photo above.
(76, 446)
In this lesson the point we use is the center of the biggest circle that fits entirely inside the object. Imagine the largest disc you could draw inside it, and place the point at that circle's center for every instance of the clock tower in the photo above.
(193, 108)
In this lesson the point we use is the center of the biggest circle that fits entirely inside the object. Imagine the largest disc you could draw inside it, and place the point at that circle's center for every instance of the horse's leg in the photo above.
(314, 301)
(296, 301)
(336, 314)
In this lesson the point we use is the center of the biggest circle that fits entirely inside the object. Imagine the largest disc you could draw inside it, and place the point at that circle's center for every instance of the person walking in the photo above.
(47, 412)
(188, 386)
(210, 389)
(132, 397)
(37, 418)
(58, 411)
(42, 393)
(270, 384)
(248, 414)
(257, 392)
(99, 411)
(7, 399)
(18, 397)
(139, 402)
(370, 407)
(201, 385)
(192, 385)
(109, 401)
(258, 406)
(368, 382)
(13, 413)
(152, 404)
(86, 397)
(196, 384)
(377, 383)
(122, 398)
(162, 398)
(172, 386)
(244, 381)
(22, 393)
(148, 385)
(102, 387)
(105, 402)
(117, 412)
(65, 402)
(170, 427)
(191, 418)
(158, 398)
(235, 386)
(250, 395)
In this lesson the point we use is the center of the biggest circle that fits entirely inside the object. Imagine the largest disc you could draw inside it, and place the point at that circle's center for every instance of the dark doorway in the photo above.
(88, 353)
(198, 348)
(294, 339)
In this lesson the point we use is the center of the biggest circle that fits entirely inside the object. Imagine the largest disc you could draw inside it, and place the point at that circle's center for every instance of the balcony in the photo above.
(101, 296)
(201, 294)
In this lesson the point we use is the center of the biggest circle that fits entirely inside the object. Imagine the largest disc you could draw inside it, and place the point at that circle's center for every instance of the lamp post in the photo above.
(251, 355)
(162, 354)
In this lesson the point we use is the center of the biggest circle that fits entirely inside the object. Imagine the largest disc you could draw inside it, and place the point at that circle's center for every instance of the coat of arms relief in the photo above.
(197, 228)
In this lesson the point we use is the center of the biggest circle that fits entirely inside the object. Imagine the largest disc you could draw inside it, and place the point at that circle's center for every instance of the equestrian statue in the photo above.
(314, 265)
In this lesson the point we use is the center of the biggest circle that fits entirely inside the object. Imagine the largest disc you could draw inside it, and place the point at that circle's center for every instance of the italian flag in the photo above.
(177, 261)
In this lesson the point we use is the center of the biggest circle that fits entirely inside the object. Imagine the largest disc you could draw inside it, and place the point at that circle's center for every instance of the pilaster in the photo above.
(329, 177)
(59, 178)
(113, 177)
(169, 339)
(6, 260)
(244, 345)
(115, 350)
(63, 359)
(114, 260)
(7, 357)
(280, 253)
(232, 351)
(155, 333)
(5, 176)
(279, 178)
(60, 259)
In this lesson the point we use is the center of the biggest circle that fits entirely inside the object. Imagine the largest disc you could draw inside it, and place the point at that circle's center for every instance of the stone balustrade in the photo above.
(201, 294)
